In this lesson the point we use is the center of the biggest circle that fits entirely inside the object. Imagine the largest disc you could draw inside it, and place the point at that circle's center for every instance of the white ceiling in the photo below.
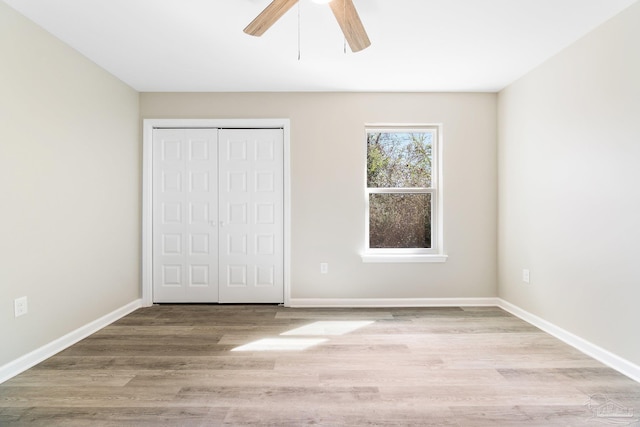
(417, 45)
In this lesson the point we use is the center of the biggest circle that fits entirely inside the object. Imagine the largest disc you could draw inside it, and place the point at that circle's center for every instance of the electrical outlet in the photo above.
(324, 267)
(20, 306)
(525, 276)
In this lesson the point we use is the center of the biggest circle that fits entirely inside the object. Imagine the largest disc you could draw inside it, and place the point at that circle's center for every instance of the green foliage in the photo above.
(399, 160)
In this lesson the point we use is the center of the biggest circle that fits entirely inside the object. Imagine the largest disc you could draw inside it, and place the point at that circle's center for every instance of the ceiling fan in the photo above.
(344, 11)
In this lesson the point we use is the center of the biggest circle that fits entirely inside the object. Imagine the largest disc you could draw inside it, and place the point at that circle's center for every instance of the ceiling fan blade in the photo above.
(350, 23)
(269, 16)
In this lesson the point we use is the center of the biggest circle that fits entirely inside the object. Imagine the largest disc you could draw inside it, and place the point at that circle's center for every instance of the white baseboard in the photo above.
(621, 365)
(391, 302)
(29, 360)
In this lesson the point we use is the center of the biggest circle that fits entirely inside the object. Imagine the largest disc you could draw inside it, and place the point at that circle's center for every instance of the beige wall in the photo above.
(569, 174)
(327, 174)
(69, 186)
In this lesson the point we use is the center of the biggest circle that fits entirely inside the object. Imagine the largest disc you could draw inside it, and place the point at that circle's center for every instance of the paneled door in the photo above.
(218, 215)
(185, 209)
(251, 243)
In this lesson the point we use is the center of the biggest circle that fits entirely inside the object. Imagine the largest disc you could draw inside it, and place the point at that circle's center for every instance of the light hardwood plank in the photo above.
(174, 365)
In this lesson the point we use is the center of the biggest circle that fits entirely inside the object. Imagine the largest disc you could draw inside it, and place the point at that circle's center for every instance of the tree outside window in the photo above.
(401, 187)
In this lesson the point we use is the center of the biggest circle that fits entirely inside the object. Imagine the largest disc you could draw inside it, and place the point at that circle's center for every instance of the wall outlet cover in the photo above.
(20, 306)
(324, 267)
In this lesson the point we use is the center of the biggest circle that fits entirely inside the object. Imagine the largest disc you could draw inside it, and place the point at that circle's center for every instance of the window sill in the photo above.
(397, 258)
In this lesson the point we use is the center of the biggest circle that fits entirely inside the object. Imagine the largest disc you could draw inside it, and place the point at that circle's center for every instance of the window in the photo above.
(403, 192)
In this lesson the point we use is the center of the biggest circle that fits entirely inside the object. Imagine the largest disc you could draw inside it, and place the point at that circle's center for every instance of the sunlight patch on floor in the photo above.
(280, 344)
(320, 328)
(329, 327)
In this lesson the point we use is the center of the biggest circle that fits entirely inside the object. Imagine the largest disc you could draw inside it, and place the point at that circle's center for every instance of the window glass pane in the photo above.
(399, 159)
(400, 220)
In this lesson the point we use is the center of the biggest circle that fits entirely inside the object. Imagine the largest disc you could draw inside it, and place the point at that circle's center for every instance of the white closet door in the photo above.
(185, 223)
(251, 245)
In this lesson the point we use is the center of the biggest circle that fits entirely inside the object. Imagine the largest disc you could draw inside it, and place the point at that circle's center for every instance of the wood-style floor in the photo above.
(176, 365)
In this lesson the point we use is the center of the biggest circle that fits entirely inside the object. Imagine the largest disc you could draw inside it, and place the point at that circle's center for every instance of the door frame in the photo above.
(148, 125)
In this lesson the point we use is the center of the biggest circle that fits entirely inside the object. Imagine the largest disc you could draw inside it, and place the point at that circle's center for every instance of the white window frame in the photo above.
(436, 252)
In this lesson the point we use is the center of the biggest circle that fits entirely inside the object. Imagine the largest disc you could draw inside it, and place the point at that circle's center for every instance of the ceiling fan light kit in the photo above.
(344, 11)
